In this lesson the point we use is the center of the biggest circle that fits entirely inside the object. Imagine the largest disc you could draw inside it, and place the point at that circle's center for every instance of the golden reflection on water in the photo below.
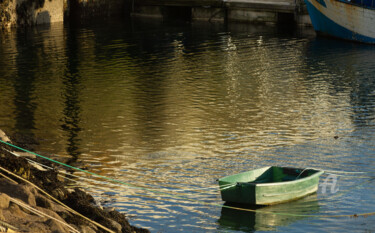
(249, 90)
(173, 112)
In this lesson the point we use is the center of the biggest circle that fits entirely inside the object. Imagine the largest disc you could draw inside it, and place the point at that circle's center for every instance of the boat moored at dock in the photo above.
(346, 19)
(269, 185)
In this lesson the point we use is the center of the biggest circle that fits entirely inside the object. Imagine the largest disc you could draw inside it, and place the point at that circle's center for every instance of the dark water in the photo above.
(173, 107)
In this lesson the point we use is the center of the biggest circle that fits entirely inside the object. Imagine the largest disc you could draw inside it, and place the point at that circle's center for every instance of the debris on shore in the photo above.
(34, 199)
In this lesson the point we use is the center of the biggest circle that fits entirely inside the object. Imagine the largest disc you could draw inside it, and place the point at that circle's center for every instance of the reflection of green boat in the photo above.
(269, 185)
(261, 219)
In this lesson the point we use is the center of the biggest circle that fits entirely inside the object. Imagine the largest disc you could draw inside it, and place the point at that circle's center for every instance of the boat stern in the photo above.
(238, 193)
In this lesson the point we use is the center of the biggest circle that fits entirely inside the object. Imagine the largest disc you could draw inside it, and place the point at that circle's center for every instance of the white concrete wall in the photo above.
(147, 11)
(248, 15)
(211, 14)
(52, 12)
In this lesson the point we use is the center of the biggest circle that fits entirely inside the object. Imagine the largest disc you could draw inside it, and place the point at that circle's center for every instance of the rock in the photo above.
(14, 164)
(4, 137)
(26, 193)
(114, 225)
(37, 166)
(86, 229)
(1, 215)
(59, 193)
(43, 202)
(23, 192)
(50, 213)
(120, 218)
(16, 211)
(4, 201)
(56, 227)
(37, 227)
(24, 154)
(109, 209)
(78, 199)
(64, 214)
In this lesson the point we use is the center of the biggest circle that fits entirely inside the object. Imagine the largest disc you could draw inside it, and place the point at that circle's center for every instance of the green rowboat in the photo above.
(269, 185)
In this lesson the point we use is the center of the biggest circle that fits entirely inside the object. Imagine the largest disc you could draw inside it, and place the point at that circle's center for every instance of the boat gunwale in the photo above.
(356, 4)
(318, 173)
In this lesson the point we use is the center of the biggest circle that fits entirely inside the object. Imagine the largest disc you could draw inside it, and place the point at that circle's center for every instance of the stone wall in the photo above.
(32, 12)
(29, 12)
(7, 13)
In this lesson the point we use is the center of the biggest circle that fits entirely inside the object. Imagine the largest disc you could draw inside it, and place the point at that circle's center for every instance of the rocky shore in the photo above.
(34, 199)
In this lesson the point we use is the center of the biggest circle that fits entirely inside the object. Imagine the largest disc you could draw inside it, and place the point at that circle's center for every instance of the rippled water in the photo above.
(173, 107)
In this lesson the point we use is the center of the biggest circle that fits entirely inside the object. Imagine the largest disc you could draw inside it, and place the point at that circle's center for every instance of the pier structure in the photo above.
(258, 11)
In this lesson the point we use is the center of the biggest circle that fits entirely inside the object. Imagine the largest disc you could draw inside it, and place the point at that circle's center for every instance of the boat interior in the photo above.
(281, 174)
(270, 175)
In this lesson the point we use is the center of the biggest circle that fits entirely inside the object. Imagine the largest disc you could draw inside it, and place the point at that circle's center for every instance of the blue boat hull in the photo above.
(342, 19)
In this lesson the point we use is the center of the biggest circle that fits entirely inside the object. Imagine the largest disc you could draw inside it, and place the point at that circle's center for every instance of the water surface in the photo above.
(174, 106)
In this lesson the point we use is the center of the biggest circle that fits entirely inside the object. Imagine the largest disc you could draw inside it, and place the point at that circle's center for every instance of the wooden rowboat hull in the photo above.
(346, 19)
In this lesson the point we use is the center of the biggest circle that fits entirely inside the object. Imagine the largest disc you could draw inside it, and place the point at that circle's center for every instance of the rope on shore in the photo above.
(57, 201)
(41, 214)
(345, 173)
(7, 226)
(212, 190)
(181, 197)
(8, 178)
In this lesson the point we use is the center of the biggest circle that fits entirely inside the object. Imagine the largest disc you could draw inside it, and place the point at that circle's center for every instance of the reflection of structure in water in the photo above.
(248, 221)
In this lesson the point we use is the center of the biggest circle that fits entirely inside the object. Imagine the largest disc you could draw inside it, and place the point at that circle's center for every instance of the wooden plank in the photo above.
(185, 3)
(287, 6)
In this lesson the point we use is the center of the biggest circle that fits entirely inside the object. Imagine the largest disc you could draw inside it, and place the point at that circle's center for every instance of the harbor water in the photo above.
(167, 108)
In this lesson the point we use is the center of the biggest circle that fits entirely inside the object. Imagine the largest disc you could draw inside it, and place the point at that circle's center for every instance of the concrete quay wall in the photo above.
(254, 11)
(32, 12)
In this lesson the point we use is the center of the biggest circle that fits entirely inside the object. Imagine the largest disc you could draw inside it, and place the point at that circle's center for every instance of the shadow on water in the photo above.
(27, 60)
(172, 94)
(240, 220)
(152, 107)
(71, 95)
(347, 67)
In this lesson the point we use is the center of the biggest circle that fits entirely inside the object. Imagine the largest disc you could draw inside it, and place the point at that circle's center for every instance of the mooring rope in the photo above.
(224, 187)
(57, 201)
(185, 198)
(7, 225)
(198, 190)
(337, 171)
(345, 173)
